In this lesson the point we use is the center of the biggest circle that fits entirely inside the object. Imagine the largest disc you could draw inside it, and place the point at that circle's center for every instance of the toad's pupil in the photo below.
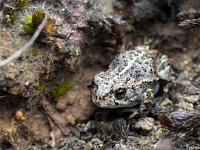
(120, 93)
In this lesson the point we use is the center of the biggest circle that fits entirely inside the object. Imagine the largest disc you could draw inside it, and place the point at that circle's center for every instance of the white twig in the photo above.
(19, 52)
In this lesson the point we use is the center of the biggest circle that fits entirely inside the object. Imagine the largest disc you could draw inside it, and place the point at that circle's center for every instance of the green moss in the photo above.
(29, 29)
(13, 15)
(62, 88)
(21, 4)
(35, 52)
(32, 21)
(130, 28)
(28, 24)
(28, 19)
(38, 16)
(41, 87)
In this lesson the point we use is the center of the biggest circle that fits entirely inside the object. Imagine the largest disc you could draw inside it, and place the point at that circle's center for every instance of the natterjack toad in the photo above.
(133, 79)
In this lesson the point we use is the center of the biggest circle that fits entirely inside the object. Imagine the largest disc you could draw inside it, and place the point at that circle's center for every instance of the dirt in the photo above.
(36, 114)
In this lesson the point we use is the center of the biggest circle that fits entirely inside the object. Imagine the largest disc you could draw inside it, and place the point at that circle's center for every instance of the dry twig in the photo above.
(48, 113)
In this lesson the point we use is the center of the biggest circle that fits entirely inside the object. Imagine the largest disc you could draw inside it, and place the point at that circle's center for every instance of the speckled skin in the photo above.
(132, 79)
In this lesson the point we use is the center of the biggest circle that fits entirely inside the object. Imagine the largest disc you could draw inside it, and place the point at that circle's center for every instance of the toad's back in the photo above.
(138, 64)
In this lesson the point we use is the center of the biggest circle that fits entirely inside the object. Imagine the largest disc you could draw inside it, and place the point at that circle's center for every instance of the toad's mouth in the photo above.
(100, 102)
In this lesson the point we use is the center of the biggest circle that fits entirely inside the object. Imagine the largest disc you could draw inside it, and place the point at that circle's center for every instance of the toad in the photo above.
(133, 79)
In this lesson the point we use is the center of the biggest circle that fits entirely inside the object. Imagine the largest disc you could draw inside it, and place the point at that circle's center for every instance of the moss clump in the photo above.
(62, 88)
(13, 15)
(33, 20)
(38, 16)
(28, 24)
(28, 19)
(41, 87)
(35, 52)
(130, 28)
(49, 25)
(21, 4)
(13, 12)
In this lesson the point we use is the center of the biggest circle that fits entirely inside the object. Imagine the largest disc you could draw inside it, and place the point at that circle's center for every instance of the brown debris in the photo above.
(182, 121)
(190, 24)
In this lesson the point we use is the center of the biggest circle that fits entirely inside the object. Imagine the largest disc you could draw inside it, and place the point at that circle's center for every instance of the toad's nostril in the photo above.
(116, 103)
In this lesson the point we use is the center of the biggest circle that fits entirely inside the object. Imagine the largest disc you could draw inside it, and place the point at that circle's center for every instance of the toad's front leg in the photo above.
(144, 108)
(146, 104)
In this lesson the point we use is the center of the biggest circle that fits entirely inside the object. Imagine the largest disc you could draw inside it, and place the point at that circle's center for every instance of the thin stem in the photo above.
(19, 52)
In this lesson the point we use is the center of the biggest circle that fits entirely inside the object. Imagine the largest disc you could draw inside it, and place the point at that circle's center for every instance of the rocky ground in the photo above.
(45, 97)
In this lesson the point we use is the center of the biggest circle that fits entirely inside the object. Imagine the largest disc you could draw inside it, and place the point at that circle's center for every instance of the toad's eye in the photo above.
(120, 93)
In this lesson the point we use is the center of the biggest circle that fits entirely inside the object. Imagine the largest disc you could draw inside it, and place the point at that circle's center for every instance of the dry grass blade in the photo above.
(166, 122)
(121, 127)
(19, 52)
